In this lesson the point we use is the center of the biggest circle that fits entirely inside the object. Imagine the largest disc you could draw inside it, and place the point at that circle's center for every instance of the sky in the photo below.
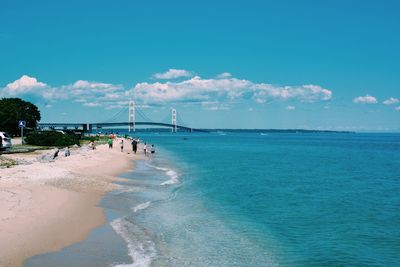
(327, 65)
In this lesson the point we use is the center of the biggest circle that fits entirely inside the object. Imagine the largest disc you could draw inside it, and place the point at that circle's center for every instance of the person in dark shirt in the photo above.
(134, 146)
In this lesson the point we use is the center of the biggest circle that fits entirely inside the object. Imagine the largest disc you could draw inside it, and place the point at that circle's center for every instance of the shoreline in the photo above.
(47, 206)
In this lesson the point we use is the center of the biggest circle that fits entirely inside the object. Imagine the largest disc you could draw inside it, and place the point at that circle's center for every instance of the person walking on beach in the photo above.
(145, 149)
(152, 149)
(122, 145)
(110, 143)
(66, 152)
(134, 146)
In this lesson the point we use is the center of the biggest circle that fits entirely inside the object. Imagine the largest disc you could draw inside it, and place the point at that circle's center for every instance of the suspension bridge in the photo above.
(173, 121)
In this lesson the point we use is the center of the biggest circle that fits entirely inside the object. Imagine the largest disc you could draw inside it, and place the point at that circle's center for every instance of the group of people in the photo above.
(146, 150)
(134, 143)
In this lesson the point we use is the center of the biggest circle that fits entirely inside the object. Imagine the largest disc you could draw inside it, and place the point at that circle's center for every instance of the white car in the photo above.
(5, 141)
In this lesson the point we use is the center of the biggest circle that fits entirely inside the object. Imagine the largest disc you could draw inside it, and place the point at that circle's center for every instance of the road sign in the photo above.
(22, 124)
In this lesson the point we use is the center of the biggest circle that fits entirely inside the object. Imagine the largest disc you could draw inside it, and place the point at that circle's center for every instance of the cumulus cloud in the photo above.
(172, 74)
(91, 104)
(290, 107)
(215, 105)
(224, 75)
(365, 100)
(30, 87)
(216, 93)
(304, 93)
(93, 94)
(23, 85)
(197, 89)
(391, 101)
(88, 93)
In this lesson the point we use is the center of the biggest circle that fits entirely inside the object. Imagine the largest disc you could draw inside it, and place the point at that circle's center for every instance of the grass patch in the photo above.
(7, 163)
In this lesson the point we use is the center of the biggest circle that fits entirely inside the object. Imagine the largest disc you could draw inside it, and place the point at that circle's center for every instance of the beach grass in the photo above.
(7, 162)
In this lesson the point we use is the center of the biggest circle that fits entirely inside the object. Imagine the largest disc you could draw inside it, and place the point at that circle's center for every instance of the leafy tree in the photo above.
(13, 110)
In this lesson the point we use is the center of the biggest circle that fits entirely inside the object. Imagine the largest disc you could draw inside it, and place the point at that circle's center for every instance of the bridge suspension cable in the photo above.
(114, 117)
(180, 120)
(143, 115)
(167, 118)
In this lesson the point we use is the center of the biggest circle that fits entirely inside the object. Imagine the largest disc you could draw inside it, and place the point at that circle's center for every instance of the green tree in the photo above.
(13, 110)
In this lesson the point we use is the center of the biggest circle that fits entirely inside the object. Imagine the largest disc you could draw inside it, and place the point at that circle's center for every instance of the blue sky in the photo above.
(235, 64)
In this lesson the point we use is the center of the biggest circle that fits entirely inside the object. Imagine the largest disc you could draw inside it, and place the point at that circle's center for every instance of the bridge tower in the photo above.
(132, 126)
(173, 115)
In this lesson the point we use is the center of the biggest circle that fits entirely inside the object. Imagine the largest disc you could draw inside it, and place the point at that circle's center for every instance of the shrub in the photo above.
(90, 138)
(51, 138)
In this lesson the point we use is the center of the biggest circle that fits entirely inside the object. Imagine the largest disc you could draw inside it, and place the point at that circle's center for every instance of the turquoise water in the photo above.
(291, 200)
(254, 199)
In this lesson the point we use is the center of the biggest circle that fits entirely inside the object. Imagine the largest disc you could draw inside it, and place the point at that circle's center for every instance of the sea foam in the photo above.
(170, 173)
(141, 206)
(140, 247)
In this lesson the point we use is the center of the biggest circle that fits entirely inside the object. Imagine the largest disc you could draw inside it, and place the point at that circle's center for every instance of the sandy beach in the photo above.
(45, 206)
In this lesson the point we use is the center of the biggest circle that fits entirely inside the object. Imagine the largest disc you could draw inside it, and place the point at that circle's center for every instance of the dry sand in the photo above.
(47, 206)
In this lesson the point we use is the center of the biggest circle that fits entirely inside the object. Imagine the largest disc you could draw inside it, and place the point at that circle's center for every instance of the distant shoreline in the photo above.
(277, 131)
(144, 130)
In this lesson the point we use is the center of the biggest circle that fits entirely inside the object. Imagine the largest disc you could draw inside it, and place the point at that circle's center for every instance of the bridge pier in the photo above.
(173, 115)
(87, 127)
(132, 126)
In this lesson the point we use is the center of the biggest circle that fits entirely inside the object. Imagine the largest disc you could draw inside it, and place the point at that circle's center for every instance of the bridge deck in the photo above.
(88, 126)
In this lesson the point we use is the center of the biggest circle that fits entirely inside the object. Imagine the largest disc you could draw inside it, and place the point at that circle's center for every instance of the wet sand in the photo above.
(47, 206)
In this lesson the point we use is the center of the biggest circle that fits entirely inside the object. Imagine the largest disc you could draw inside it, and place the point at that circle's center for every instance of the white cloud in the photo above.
(94, 94)
(197, 89)
(114, 106)
(30, 87)
(218, 108)
(172, 74)
(290, 107)
(304, 93)
(86, 88)
(81, 84)
(86, 92)
(260, 100)
(91, 104)
(391, 101)
(23, 85)
(365, 100)
(215, 105)
(397, 108)
(224, 75)
(216, 93)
